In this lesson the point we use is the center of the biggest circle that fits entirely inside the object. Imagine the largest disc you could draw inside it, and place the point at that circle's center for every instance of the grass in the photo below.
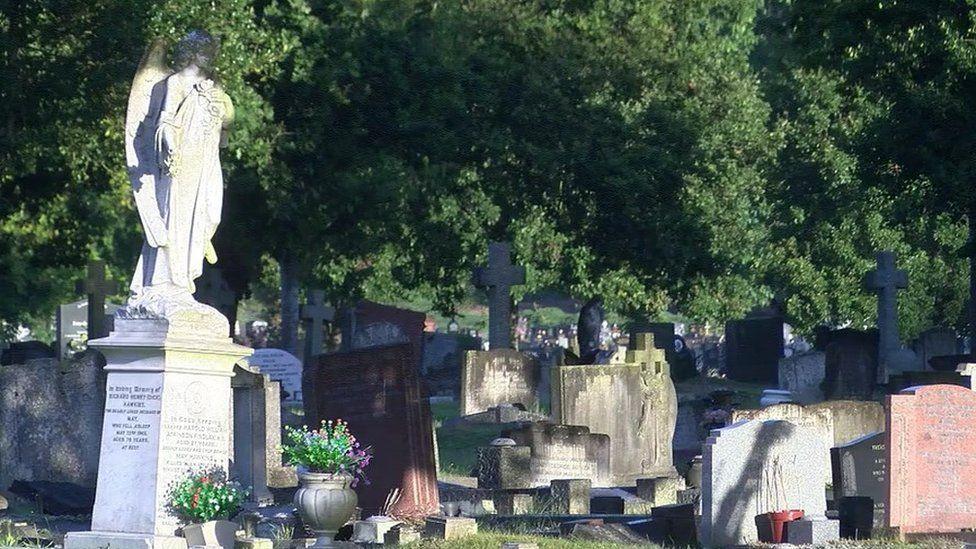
(458, 444)
(494, 540)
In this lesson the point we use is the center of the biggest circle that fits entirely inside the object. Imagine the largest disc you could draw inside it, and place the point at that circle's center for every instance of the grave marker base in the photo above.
(167, 411)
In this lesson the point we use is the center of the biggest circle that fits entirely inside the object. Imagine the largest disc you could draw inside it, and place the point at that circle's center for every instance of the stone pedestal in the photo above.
(167, 412)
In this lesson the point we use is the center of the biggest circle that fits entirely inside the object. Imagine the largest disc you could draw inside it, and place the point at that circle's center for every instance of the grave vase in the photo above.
(214, 533)
(325, 502)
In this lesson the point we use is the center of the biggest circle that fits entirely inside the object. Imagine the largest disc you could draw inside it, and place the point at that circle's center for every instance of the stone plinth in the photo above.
(570, 496)
(563, 452)
(753, 467)
(498, 377)
(167, 412)
(634, 403)
(931, 447)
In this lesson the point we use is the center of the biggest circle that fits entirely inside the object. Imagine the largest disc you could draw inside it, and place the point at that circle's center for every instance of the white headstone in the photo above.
(754, 467)
(280, 365)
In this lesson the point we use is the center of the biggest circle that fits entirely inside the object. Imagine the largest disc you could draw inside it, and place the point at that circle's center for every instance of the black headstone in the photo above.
(850, 364)
(19, 352)
(860, 468)
(753, 347)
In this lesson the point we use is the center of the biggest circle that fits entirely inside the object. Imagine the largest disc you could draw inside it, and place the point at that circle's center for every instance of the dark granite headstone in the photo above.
(850, 365)
(753, 347)
(443, 356)
(859, 468)
(19, 352)
(378, 391)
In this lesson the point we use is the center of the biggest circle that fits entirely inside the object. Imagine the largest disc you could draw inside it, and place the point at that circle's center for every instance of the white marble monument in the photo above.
(169, 360)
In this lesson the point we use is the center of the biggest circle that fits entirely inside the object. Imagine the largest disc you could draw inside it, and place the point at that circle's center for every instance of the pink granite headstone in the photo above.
(931, 445)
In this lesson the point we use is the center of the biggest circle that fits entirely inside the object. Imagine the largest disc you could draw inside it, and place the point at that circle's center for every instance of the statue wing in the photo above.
(145, 100)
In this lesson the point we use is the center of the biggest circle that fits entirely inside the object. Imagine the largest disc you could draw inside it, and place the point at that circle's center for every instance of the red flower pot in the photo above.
(769, 526)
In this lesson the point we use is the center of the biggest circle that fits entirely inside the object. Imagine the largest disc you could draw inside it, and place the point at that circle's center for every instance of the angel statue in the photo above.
(175, 125)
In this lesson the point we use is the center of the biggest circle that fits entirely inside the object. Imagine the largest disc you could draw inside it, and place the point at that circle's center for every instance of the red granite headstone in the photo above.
(931, 445)
(379, 392)
(376, 324)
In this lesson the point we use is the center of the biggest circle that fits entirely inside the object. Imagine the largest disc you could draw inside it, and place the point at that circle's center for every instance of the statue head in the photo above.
(196, 48)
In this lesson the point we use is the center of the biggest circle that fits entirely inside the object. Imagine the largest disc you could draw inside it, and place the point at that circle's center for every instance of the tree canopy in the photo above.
(703, 157)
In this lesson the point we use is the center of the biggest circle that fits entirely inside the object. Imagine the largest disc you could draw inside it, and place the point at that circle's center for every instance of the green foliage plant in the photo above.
(206, 495)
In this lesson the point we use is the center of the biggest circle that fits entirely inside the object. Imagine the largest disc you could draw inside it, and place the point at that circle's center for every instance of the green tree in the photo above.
(65, 71)
(870, 98)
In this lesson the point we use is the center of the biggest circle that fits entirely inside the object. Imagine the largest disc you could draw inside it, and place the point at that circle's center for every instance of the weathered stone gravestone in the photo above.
(753, 347)
(51, 420)
(634, 403)
(933, 343)
(442, 360)
(379, 393)
(835, 422)
(930, 444)
(256, 458)
(280, 366)
(850, 365)
(803, 375)
(498, 278)
(564, 452)
(814, 420)
(885, 281)
(859, 468)
(753, 467)
(496, 377)
(853, 419)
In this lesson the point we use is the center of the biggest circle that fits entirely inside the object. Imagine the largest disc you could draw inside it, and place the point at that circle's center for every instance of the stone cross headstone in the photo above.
(499, 277)
(754, 467)
(314, 313)
(885, 281)
(634, 402)
(97, 287)
(931, 455)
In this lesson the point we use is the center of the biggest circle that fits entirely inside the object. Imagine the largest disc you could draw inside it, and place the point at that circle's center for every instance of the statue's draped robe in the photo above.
(189, 189)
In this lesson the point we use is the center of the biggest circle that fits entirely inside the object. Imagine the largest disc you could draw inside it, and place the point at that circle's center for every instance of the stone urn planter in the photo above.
(325, 502)
(214, 533)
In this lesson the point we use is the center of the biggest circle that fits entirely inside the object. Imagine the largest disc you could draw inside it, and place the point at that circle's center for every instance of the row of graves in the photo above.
(591, 446)
(584, 449)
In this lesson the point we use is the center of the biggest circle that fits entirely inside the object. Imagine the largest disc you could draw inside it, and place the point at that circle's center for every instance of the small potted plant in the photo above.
(205, 501)
(330, 462)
